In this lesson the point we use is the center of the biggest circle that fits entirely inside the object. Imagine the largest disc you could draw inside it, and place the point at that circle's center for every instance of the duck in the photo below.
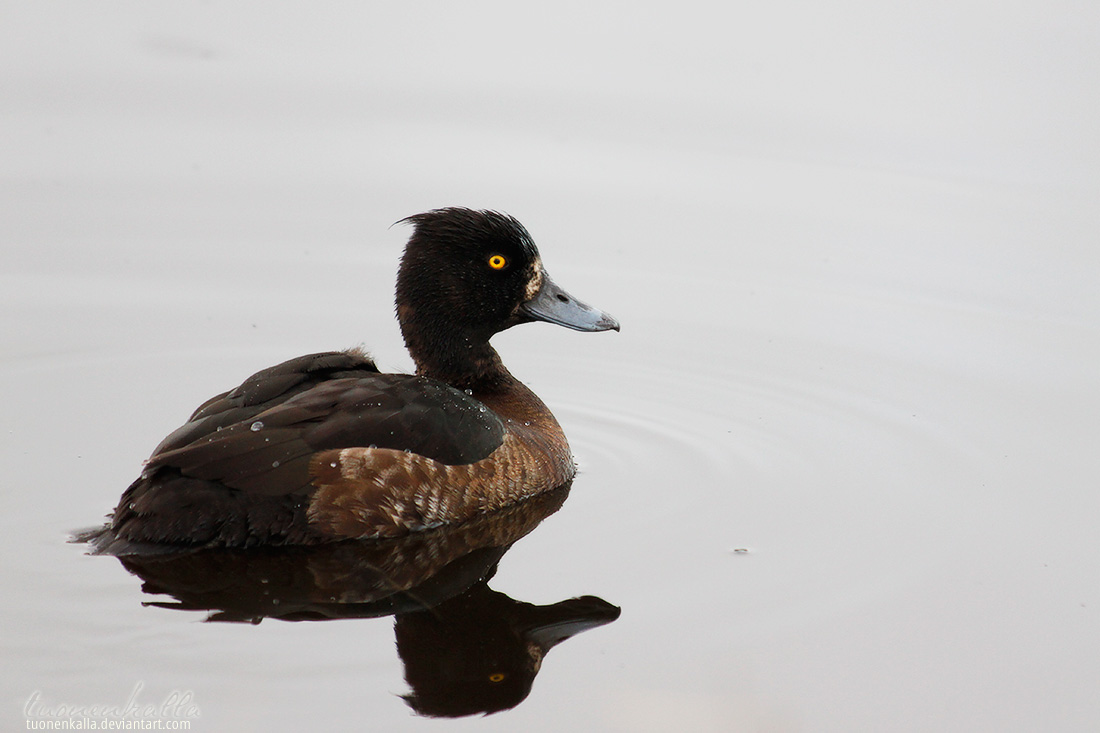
(326, 447)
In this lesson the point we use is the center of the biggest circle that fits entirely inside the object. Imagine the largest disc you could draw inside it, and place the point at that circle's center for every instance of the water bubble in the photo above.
(274, 464)
(257, 426)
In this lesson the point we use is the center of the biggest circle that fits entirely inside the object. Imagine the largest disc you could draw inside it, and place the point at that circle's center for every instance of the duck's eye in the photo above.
(498, 262)
(496, 677)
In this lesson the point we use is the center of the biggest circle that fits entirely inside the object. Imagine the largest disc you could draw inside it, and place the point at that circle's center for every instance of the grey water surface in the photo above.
(839, 470)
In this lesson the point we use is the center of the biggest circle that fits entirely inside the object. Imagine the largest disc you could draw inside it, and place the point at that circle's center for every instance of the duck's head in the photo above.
(467, 275)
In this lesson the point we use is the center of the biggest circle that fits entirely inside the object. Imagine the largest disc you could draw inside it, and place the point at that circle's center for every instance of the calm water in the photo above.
(838, 471)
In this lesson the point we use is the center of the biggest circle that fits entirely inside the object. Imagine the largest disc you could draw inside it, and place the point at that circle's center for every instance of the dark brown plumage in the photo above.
(324, 447)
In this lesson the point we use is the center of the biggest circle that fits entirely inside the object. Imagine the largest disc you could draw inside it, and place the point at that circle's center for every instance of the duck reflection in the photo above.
(467, 649)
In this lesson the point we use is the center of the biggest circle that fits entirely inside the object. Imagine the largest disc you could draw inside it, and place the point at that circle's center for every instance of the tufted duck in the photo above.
(325, 447)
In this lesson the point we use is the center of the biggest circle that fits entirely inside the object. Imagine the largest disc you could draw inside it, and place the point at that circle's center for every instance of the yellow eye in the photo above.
(496, 677)
(497, 262)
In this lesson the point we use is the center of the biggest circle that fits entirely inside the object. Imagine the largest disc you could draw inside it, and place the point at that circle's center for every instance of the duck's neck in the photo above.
(469, 363)
(462, 361)
(474, 366)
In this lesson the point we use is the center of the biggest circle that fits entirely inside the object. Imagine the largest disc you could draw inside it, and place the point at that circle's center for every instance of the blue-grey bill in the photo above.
(554, 305)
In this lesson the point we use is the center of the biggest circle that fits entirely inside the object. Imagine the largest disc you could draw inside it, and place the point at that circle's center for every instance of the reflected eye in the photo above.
(498, 262)
(496, 677)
